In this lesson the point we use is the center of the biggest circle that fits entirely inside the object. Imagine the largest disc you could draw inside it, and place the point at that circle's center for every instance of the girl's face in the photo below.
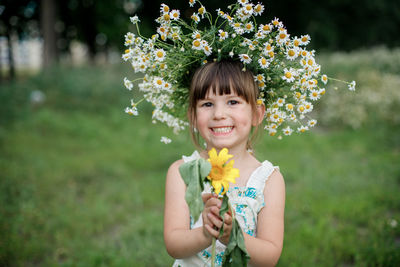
(225, 120)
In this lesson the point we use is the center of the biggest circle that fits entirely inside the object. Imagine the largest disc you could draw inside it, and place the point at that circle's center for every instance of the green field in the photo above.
(82, 183)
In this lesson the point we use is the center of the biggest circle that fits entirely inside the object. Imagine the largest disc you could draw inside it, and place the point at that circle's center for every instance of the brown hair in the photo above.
(223, 76)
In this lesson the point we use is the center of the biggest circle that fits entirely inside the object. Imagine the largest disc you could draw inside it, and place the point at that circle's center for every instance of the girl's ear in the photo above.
(258, 115)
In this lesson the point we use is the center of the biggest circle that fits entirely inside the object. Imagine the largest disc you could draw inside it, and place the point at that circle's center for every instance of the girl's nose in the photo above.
(219, 112)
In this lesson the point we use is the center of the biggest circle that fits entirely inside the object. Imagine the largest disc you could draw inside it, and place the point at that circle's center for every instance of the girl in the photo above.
(224, 111)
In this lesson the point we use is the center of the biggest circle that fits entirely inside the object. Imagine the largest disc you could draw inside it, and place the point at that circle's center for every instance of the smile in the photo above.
(222, 130)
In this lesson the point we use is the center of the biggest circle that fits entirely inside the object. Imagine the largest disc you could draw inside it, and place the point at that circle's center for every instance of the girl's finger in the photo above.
(212, 231)
(215, 220)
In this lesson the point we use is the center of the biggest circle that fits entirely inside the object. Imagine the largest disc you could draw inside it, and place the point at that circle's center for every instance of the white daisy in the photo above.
(258, 9)
(132, 111)
(324, 79)
(195, 18)
(134, 19)
(287, 131)
(245, 58)
(192, 2)
(292, 53)
(312, 123)
(128, 84)
(175, 14)
(352, 86)
(196, 44)
(223, 35)
(314, 95)
(165, 140)
(264, 63)
(159, 54)
(302, 129)
(289, 75)
(305, 39)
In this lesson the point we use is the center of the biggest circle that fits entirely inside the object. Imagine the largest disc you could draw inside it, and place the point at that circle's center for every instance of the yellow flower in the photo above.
(222, 172)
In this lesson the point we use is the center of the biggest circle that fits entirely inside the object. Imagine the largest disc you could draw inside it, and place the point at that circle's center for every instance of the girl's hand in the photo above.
(211, 204)
(213, 222)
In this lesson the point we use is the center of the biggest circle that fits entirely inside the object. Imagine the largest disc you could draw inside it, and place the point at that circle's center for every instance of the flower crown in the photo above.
(288, 77)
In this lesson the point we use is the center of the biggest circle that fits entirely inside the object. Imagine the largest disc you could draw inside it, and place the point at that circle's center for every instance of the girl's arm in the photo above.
(180, 240)
(266, 248)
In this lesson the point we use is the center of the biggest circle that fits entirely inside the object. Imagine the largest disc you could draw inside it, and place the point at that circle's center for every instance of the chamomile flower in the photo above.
(282, 37)
(165, 140)
(264, 63)
(195, 18)
(134, 19)
(158, 82)
(132, 111)
(245, 58)
(164, 8)
(305, 39)
(302, 129)
(289, 107)
(308, 107)
(207, 49)
(196, 44)
(276, 22)
(292, 53)
(202, 11)
(312, 123)
(289, 75)
(192, 2)
(267, 28)
(296, 41)
(258, 9)
(128, 84)
(248, 27)
(223, 35)
(196, 35)
(259, 78)
(159, 55)
(280, 102)
(243, 2)
(287, 131)
(324, 79)
(175, 14)
(314, 95)
(352, 86)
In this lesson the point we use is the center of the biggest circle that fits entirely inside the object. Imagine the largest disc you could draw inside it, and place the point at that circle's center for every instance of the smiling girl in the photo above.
(224, 113)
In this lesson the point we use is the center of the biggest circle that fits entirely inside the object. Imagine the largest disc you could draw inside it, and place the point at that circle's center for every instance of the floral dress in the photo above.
(247, 201)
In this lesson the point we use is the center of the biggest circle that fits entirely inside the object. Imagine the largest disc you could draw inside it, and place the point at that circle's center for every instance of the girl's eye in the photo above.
(206, 104)
(233, 102)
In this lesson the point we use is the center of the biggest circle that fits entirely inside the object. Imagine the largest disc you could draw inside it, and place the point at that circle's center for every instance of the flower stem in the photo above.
(213, 252)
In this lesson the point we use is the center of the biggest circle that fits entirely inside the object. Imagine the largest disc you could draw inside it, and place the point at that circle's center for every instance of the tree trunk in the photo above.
(48, 20)
(10, 53)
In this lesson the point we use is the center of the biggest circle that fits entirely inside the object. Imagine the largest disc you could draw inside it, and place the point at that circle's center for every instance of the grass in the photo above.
(82, 184)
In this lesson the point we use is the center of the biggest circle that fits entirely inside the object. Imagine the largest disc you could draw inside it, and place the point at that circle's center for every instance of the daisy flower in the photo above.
(175, 14)
(207, 49)
(159, 54)
(134, 19)
(258, 9)
(282, 37)
(276, 22)
(259, 78)
(305, 39)
(287, 131)
(164, 8)
(280, 102)
(352, 86)
(195, 18)
(202, 11)
(222, 35)
(289, 107)
(248, 27)
(192, 2)
(267, 28)
(312, 123)
(196, 44)
(292, 53)
(289, 75)
(324, 79)
(302, 129)
(245, 58)
(132, 111)
(158, 82)
(296, 41)
(128, 84)
(165, 140)
(196, 35)
(308, 107)
(243, 2)
(314, 95)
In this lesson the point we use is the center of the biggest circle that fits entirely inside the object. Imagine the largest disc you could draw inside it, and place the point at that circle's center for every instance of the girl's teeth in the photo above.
(222, 129)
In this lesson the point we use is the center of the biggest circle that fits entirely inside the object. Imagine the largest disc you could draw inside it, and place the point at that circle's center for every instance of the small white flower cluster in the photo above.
(285, 71)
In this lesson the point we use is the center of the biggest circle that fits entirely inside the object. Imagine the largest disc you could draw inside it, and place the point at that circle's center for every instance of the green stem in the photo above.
(213, 252)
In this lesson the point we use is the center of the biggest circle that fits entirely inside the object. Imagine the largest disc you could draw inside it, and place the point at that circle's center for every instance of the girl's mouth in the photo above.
(222, 130)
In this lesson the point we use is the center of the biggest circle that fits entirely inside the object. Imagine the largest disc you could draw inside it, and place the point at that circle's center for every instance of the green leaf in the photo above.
(235, 252)
(193, 174)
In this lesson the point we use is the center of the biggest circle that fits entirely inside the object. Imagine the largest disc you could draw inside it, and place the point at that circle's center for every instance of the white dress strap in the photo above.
(260, 175)
(195, 155)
